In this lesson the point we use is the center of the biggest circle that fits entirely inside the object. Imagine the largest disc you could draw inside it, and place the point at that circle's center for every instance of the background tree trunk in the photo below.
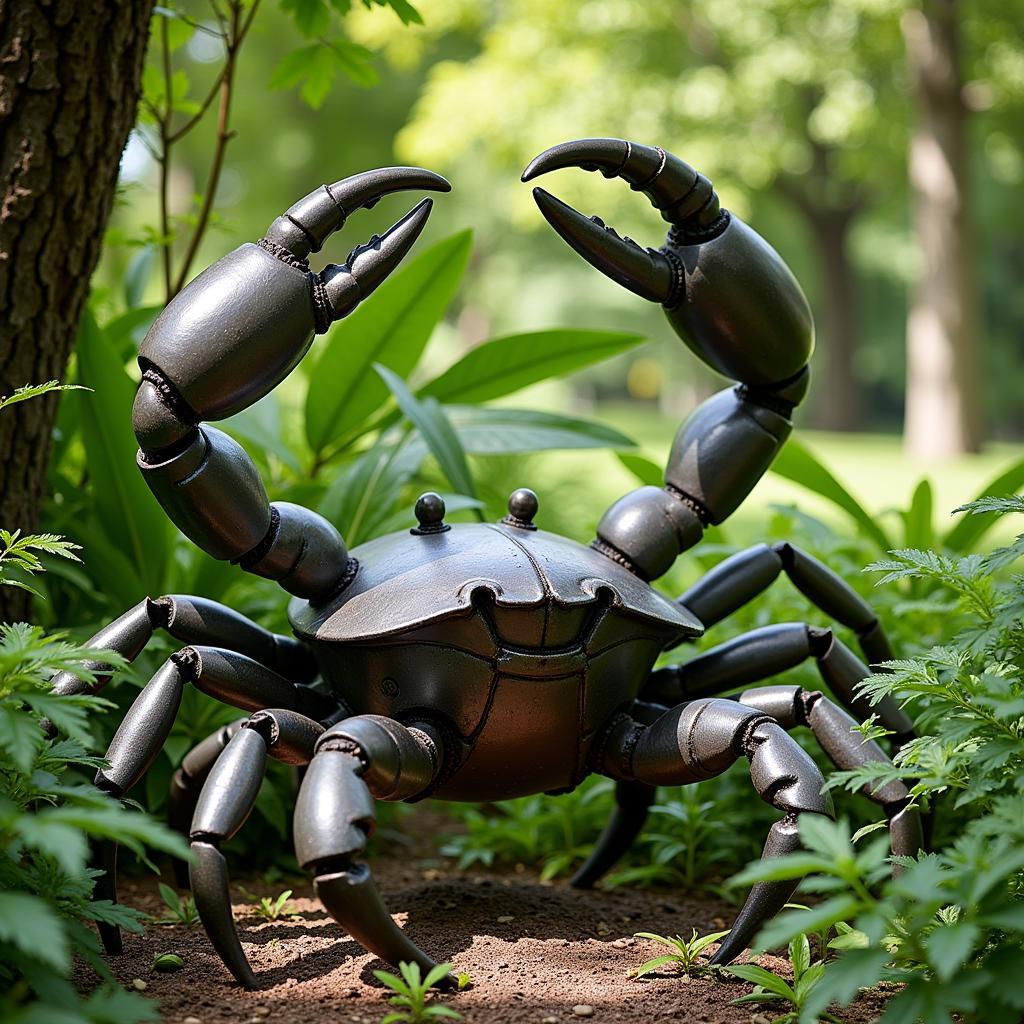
(943, 414)
(70, 73)
(840, 405)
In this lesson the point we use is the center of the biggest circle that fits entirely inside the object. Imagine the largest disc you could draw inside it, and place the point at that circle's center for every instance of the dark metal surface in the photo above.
(483, 661)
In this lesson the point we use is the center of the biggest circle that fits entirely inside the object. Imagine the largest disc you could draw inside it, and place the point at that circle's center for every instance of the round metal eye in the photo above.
(522, 507)
(429, 512)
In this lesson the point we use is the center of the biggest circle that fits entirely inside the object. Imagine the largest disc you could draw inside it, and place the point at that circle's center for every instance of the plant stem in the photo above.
(165, 161)
(233, 39)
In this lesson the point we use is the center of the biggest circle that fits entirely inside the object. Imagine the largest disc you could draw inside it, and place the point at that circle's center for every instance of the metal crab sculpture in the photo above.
(484, 661)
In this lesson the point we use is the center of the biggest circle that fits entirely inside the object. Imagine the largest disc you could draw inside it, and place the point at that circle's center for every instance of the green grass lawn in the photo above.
(873, 467)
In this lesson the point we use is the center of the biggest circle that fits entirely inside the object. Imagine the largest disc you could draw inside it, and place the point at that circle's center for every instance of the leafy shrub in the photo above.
(950, 928)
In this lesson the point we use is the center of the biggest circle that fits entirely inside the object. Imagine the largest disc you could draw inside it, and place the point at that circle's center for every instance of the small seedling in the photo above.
(411, 994)
(771, 990)
(167, 962)
(182, 909)
(685, 952)
(272, 909)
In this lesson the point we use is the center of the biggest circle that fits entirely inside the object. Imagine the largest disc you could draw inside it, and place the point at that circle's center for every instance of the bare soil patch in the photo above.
(533, 951)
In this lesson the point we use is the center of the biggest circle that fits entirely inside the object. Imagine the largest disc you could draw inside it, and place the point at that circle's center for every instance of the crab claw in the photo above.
(305, 226)
(346, 285)
(684, 197)
(647, 272)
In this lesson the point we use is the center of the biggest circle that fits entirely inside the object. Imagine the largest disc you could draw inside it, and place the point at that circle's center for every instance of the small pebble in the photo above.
(620, 944)
(262, 1011)
(760, 1018)
(549, 1020)
(505, 918)
(191, 1020)
(139, 985)
(718, 922)
(583, 1010)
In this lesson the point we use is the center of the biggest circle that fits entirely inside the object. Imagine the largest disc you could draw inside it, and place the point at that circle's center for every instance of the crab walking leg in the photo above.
(833, 728)
(187, 783)
(700, 740)
(767, 651)
(357, 760)
(192, 620)
(632, 802)
(229, 338)
(226, 675)
(227, 798)
(734, 302)
(741, 577)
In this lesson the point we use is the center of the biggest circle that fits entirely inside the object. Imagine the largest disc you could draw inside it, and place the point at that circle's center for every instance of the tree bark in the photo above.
(837, 385)
(943, 410)
(70, 74)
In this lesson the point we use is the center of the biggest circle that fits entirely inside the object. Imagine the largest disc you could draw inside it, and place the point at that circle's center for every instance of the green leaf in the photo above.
(799, 955)
(391, 327)
(504, 365)
(646, 471)
(312, 17)
(436, 974)
(918, 518)
(260, 424)
(127, 513)
(362, 499)
(650, 965)
(791, 923)
(428, 418)
(31, 925)
(136, 276)
(23, 394)
(966, 533)
(949, 947)
(759, 976)
(796, 463)
(487, 431)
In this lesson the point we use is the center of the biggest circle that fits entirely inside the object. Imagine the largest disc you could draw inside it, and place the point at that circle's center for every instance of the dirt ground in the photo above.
(534, 952)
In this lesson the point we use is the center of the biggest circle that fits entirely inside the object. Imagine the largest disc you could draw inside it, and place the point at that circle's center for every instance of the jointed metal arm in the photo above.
(227, 340)
(734, 302)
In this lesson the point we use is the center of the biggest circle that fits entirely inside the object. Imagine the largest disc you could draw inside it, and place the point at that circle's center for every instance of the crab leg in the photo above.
(226, 801)
(356, 760)
(700, 740)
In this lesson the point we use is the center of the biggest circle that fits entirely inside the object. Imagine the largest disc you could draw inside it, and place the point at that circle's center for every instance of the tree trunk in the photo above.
(943, 414)
(70, 80)
(837, 398)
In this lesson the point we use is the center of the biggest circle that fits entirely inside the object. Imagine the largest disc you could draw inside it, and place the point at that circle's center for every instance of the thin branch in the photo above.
(203, 107)
(234, 37)
(165, 159)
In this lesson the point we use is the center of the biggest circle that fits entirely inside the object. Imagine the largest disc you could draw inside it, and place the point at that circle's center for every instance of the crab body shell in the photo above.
(519, 644)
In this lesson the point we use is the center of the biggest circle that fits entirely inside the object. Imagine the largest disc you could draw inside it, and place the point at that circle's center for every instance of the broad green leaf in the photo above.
(136, 276)
(918, 518)
(950, 946)
(646, 471)
(127, 513)
(969, 529)
(796, 463)
(392, 327)
(507, 364)
(429, 419)
(260, 424)
(651, 965)
(791, 923)
(493, 431)
(30, 924)
(361, 499)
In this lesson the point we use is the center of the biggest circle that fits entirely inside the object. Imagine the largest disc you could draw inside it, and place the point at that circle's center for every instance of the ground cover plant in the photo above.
(49, 813)
(950, 928)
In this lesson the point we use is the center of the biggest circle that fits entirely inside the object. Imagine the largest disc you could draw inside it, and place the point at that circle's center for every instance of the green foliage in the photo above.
(20, 555)
(23, 394)
(272, 908)
(950, 928)
(686, 953)
(913, 526)
(412, 991)
(181, 909)
(773, 990)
